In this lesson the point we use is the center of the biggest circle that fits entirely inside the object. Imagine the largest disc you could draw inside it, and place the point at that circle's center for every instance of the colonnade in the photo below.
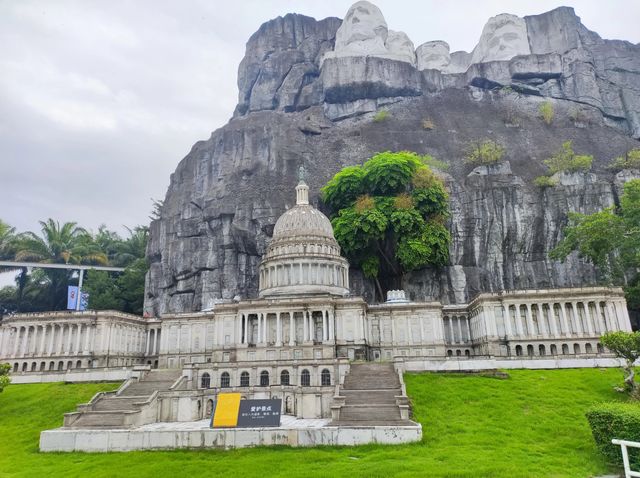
(303, 273)
(456, 329)
(311, 322)
(563, 318)
(34, 340)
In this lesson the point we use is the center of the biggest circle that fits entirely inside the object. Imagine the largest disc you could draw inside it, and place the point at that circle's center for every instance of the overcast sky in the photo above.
(100, 100)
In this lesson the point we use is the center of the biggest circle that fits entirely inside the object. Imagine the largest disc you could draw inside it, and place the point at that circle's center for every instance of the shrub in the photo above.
(484, 152)
(615, 420)
(545, 181)
(428, 124)
(631, 160)
(566, 160)
(546, 112)
(381, 116)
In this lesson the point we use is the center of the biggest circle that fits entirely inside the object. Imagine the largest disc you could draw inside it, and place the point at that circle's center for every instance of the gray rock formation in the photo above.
(294, 108)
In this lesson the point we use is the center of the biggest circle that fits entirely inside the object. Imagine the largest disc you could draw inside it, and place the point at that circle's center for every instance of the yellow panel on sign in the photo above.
(227, 408)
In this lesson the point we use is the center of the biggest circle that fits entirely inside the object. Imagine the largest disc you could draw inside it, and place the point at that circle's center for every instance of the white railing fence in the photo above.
(628, 473)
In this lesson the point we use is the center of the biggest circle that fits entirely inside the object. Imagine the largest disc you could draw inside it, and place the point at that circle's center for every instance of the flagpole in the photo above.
(79, 297)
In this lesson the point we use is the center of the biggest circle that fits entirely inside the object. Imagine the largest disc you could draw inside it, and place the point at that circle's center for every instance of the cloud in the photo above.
(100, 100)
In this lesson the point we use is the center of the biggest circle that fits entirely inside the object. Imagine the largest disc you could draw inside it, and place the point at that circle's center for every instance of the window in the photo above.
(325, 378)
(305, 378)
(519, 350)
(530, 350)
(554, 349)
(565, 349)
(284, 377)
(225, 381)
(264, 378)
(205, 381)
(244, 379)
(576, 349)
(79, 364)
(541, 350)
(600, 348)
(588, 349)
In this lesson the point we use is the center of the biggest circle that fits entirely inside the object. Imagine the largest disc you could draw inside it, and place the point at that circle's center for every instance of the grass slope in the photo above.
(531, 425)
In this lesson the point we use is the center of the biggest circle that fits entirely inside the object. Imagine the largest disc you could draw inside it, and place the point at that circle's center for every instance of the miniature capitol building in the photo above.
(298, 339)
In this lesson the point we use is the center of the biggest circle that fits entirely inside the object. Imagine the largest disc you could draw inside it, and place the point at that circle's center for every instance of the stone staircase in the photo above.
(123, 408)
(371, 395)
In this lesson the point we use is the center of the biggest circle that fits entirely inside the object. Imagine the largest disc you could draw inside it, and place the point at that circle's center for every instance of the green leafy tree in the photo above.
(59, 244)
(7, 241)
(388, 216)
(484, 152)
(610, 239)
(4, 375)
(546, 112)
(625, 345)
(566, 160)
(631, 160)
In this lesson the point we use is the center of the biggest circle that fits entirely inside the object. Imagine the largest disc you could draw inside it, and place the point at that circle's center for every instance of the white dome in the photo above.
(303, 256)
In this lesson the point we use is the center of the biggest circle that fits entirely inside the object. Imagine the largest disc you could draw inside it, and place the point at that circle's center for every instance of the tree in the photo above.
(7, 240)
(4, 375)
(610, 239)
(388, 216)
(59, 244)
(625, 345)
(565, 159)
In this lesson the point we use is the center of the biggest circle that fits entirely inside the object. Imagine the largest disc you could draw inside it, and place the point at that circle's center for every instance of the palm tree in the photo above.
(7, 240)
(59, 244)
(132, 248)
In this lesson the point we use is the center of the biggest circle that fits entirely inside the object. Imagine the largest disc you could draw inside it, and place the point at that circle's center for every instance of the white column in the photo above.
(157, 341)
(519, 327)
(278, 330)
(245, 320)
(467, 319)
(331, 325)
(51, 339)
(42, 340)
(265, 332)
(148, 347)
(25, 342)
(292, 332)
(576, 317)
(78, 336)
(16, 342)
(459, 329)
(563, 320)
(529, 319)
(87, 339)
(552, 321)
(506, 318)
(305, 326)
(587, 318)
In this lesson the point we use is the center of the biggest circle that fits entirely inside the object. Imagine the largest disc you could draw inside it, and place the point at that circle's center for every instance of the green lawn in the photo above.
(531, 425)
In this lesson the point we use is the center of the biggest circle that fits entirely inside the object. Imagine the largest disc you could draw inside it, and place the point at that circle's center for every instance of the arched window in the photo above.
(244, 379)
(458, 353)
(52, 365)
(225, 381)
(24, 367)
(33, 366)
(576, 349)
(209, 409)
(467, 353)
(541, 350)
(565, 349)
(305, 378)
(205, 380)
(600, 348)
(60, 366)
(284, 377)
(15, 367)
(588, 349)
(553, 349)
(79, 364)
(450, 353)
(519, 350)
(69, 365)
(264, 378)
(43, 365)
(325, 378)
(530, 350)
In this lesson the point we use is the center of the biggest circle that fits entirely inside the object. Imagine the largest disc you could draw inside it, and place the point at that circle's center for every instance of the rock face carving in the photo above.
(226, 194)
(503, 37)
(433, 55)
(364, 33)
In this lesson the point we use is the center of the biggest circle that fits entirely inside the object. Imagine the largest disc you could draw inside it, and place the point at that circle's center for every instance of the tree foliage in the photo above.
(484, 152)
(546, 112)
(565, 159)
(625, 345)
(388, 216)
(610, 239)
(4, 375)
(67, 243)
(631, 160)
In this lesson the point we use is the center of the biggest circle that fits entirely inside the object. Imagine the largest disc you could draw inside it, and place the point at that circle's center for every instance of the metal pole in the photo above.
(80, 289)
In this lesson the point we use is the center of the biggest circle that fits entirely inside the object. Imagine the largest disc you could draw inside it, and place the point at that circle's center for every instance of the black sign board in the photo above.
(259, 413)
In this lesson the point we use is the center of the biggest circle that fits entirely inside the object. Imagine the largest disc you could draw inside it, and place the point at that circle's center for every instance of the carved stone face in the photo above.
(503, 37)
(363, 30)
(433, 55)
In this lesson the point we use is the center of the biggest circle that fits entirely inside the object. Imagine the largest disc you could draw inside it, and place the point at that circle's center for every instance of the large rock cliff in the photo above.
(308, 91)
